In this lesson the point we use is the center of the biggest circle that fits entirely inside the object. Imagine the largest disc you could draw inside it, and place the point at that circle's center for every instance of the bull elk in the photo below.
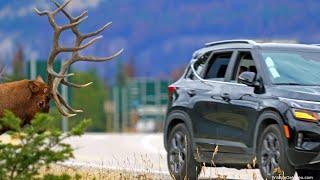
(25, 98)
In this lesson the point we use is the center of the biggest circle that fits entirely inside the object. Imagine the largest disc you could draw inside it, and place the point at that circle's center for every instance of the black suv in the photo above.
(248, 100)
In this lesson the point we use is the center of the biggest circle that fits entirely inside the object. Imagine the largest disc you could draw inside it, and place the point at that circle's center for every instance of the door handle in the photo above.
(226, 97)
(191, 92)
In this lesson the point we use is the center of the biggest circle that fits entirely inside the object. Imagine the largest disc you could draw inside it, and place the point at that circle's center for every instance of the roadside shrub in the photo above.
(37, 146)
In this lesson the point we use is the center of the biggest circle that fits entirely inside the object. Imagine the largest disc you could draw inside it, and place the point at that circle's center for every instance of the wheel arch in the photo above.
(176, 117)
(267, 117)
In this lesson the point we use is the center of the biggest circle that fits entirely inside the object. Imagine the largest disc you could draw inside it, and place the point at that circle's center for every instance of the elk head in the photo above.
(25, 98)
(57, 78)
(40, 95)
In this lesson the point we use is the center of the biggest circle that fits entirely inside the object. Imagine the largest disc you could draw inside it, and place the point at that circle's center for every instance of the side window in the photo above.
(199, 66)
(244, 63)
(217, 66)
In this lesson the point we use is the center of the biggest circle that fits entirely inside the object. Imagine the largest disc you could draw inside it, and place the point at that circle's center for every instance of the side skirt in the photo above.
(239, 161)
(230, 154)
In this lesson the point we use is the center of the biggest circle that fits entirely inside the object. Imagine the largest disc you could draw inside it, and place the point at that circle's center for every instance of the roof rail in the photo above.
(245, 41)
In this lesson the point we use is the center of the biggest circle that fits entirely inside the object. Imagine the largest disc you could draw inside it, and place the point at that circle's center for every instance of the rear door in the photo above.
(197, 94)
(206, 102)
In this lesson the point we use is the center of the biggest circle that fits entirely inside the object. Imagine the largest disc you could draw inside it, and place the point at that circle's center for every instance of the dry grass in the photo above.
(130, 164)
(91, 173)
(88, 173)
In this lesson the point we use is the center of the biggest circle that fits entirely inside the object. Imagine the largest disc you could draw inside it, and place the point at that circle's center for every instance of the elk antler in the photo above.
(54, 78)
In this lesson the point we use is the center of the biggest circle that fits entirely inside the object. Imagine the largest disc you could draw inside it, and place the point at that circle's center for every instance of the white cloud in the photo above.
(24, 11)
(5, 12)
(77, 5)
(11, 12)
(7, 47)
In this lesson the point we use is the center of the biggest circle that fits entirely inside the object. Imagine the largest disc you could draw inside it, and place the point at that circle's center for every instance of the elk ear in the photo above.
(33, 87)
(40, 79)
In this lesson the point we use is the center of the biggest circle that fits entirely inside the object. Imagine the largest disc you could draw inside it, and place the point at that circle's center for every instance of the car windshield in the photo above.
(292, 67)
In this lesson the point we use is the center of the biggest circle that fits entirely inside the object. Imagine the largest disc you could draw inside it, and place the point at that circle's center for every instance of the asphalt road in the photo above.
(140, 153)
(134, 153)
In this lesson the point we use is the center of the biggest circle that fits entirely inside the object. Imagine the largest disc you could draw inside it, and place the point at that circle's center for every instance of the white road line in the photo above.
(108, 167)
(148, 144)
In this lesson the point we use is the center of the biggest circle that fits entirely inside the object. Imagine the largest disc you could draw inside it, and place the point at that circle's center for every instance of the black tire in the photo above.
(309, 174)
(181, 162)
(271, 154)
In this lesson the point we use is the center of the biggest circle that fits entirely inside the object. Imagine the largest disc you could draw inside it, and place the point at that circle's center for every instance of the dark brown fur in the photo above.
(24, 98)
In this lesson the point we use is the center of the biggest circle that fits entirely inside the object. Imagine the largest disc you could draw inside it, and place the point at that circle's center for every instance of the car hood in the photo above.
(308, 93)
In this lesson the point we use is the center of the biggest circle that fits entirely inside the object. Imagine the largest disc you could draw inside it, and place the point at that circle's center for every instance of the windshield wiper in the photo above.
(296, 84)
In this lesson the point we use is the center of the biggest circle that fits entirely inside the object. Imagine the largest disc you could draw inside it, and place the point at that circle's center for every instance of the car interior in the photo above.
(245, 63)
(217, 66)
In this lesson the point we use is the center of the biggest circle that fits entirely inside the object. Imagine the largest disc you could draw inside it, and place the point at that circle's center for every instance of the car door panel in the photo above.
(238, 115)
(206, 103)
(204, 108)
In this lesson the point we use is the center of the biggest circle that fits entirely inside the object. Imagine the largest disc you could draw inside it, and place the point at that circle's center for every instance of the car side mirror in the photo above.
(248, 78)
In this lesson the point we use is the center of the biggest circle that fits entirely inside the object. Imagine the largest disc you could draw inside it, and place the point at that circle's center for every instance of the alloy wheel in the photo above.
(270, 154)
(177, 152)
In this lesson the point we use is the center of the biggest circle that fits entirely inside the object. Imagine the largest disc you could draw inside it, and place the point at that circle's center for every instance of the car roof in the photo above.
(249, 44)
(289, 46)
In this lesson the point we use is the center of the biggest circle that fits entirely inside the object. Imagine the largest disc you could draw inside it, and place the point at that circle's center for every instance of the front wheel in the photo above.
(271, 154)
(181, 162)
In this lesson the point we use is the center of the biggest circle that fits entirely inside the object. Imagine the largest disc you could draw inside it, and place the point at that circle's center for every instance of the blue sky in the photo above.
(158, 35)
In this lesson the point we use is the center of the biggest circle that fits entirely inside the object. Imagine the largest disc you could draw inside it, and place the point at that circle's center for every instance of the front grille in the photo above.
(311, 137)
(308, 141)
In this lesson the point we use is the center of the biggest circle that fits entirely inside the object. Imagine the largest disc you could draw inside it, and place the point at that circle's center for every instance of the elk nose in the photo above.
(41, 104)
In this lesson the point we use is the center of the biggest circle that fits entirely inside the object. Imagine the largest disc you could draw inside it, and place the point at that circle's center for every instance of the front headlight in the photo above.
(304, 110)
(306, 115)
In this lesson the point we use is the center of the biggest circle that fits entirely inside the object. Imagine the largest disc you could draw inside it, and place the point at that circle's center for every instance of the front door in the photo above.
(239, 111)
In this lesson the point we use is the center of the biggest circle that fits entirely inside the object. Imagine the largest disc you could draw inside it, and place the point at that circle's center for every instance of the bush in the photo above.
(39, 145)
